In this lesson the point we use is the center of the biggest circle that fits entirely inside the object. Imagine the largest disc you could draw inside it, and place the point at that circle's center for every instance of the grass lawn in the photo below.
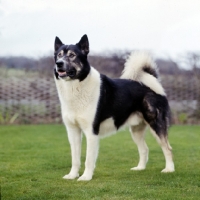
(34, 158)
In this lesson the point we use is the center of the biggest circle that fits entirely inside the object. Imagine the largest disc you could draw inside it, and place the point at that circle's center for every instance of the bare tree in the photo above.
(192, 61)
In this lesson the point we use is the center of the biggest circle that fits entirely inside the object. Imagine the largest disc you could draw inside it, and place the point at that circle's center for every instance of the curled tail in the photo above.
(141, 67)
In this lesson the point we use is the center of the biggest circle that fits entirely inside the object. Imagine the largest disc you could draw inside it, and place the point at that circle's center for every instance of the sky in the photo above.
(164, 27)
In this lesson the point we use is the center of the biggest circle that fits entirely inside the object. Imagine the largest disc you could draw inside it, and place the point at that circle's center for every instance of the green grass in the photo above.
(33, 160)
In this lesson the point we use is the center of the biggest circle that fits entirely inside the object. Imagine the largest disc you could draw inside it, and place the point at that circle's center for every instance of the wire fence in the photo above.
(31, 100)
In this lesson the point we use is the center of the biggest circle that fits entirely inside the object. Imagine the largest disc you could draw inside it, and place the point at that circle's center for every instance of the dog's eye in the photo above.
(59, 55)
(71, 55)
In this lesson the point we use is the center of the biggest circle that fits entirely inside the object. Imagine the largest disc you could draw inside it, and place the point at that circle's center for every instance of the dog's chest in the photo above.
(74, 99)
(78, 104)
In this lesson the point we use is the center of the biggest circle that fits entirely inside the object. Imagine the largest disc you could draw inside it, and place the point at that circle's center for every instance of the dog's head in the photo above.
(71, 60)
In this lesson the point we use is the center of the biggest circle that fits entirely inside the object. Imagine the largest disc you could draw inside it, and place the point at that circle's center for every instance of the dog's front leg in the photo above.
(74, 136)
(91, 156)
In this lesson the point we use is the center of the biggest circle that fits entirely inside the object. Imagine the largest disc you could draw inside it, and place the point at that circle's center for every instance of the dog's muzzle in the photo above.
(64, 71)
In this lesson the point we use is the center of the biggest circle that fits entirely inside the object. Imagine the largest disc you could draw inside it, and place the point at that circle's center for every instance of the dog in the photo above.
(93, 104)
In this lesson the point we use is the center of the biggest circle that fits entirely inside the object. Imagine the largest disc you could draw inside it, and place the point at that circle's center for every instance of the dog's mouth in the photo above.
(70, 73)
(62, 74)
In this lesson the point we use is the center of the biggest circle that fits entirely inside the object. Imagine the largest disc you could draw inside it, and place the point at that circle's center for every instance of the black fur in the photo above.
(119, 98)
(83, 44)
(58, 43)
(56, 74)
(151, 71)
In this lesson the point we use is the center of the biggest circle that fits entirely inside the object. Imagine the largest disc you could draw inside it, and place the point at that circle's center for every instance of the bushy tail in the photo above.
(141, 67)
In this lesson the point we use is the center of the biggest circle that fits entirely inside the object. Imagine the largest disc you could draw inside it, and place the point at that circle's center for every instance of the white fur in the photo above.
(107, 127)
(78, 105)
(134, 70)
(134, 119)
(138, 134)
(79, 99)
(167, 151)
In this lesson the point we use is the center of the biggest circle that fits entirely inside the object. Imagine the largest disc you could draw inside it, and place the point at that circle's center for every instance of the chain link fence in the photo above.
(31, 100)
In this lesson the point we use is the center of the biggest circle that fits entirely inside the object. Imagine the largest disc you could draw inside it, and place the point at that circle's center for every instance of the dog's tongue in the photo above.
(62, 73)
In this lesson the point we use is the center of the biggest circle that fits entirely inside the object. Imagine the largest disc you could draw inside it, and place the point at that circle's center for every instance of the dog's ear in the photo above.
(57, 43)
(84, 44)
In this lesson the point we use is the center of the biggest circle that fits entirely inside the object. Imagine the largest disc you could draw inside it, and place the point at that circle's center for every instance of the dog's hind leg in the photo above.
(167, 151)
(74, 136)
(91, 155)
(138, 134)
(157, 115)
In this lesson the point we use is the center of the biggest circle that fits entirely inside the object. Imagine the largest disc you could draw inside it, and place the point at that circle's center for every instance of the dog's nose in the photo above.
(59, 64)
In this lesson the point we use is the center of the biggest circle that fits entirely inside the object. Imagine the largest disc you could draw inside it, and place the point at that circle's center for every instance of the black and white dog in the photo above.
(97, 106)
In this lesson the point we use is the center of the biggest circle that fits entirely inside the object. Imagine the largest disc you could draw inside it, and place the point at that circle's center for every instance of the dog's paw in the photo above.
(137, 168)
(70, 176)
(168, 170)
(85, 178)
